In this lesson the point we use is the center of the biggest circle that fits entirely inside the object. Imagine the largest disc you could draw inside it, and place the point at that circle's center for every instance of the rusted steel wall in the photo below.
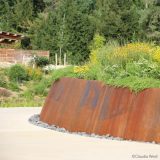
(93, 107)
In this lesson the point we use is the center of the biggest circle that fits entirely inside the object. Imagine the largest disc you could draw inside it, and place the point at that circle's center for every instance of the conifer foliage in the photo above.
(68, 27)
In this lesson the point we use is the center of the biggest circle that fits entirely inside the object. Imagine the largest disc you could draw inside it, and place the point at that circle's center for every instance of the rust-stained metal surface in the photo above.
(93, 107)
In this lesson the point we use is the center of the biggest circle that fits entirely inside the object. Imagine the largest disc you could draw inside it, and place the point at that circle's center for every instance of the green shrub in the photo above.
(17, 73)
(41, 61)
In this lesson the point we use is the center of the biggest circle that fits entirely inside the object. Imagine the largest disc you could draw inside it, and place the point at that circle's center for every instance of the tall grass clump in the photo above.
(65, 72)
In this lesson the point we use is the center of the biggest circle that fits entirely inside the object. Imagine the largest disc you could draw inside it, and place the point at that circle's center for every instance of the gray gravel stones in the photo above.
(35, 119)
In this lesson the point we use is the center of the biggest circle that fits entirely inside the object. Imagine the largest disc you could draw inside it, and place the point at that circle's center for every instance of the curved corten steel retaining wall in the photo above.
(93, 107)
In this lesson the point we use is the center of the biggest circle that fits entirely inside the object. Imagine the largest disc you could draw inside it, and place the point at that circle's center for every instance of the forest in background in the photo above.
(69, 26)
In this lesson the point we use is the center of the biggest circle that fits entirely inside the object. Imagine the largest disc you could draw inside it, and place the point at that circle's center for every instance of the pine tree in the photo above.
(6, 8)
(67, 29)
(117, 19)
(151, 24)
(80, 30)
(22, 15)
(38, 6)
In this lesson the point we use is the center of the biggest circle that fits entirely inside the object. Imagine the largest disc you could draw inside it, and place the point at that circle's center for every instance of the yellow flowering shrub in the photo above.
(93, 57)
(34, 73)
(156, 54)
(81, 69)
(134, 65)
(97, 43)
(133, 49)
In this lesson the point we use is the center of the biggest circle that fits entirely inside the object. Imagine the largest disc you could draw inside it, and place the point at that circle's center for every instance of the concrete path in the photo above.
(20, 140)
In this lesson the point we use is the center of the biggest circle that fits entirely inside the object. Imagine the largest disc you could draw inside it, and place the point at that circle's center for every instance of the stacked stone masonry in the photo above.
(20, 56)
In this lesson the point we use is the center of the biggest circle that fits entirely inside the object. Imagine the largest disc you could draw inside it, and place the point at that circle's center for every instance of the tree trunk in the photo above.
(60, 55)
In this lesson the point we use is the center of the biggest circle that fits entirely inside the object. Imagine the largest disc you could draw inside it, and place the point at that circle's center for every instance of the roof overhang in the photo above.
(9, 38)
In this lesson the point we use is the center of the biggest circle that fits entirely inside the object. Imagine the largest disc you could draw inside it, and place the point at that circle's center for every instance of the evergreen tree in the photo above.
(68, 26)
(67, 29)
(38, 6)
(117, 19)
(80, 30)
(43, 32)
(151, 25)
(22, 15)
(6, 8)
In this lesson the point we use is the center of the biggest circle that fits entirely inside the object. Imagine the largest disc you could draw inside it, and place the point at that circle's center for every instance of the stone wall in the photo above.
(20, 56)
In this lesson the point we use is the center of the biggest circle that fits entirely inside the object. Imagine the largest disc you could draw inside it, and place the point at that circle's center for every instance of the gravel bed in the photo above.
(35, 120)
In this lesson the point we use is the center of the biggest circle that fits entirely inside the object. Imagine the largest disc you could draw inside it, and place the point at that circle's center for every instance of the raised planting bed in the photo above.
(93, 107)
